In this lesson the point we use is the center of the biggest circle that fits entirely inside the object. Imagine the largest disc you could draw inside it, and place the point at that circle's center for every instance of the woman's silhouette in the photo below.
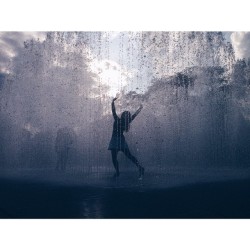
(118, 142)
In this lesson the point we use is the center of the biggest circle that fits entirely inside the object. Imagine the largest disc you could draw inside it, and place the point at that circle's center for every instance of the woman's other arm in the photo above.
(137, 112)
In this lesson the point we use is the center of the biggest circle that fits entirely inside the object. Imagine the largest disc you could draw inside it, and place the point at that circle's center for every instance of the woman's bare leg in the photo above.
(135, 161)
(115, 162)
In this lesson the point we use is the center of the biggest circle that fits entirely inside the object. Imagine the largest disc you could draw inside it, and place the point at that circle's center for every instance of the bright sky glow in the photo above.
(112, 74)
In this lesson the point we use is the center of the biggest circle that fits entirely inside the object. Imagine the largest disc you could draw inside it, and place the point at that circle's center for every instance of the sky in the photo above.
(117, 63)
(11, 43)
(108, 64)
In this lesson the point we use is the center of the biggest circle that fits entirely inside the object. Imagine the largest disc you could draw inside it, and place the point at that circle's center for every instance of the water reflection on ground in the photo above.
(176, 194)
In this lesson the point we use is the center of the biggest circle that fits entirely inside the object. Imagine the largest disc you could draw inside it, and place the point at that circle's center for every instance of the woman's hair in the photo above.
(126, 119)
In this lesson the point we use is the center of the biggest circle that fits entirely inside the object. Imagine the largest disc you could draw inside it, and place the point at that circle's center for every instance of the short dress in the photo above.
(118, 141)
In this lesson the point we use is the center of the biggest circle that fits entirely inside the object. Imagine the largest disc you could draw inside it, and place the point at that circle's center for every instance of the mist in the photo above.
(194, 91)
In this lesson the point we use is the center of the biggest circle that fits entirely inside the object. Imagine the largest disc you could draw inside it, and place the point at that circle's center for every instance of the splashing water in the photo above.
(195, 103)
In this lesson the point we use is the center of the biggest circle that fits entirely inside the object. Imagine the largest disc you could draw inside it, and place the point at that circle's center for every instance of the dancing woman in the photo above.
(118, 142)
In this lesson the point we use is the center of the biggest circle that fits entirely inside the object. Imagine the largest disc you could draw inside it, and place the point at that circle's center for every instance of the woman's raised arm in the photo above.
(137, 112)
(113, 109)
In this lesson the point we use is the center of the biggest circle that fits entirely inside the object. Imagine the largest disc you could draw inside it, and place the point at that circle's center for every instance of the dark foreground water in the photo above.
(177, 194)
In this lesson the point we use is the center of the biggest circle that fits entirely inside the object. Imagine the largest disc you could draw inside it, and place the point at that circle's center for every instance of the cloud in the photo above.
(112, 74)
(11, 43)
(111, 34)
(241, 44)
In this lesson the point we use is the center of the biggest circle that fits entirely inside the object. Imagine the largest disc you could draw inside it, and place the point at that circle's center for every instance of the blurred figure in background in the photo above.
(64, 141)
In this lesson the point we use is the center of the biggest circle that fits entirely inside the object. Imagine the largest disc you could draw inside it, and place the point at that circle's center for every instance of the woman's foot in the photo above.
(141, 173)
(116, 174)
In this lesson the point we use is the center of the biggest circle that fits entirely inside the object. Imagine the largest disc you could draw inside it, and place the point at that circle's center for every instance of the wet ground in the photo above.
(178, 193)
